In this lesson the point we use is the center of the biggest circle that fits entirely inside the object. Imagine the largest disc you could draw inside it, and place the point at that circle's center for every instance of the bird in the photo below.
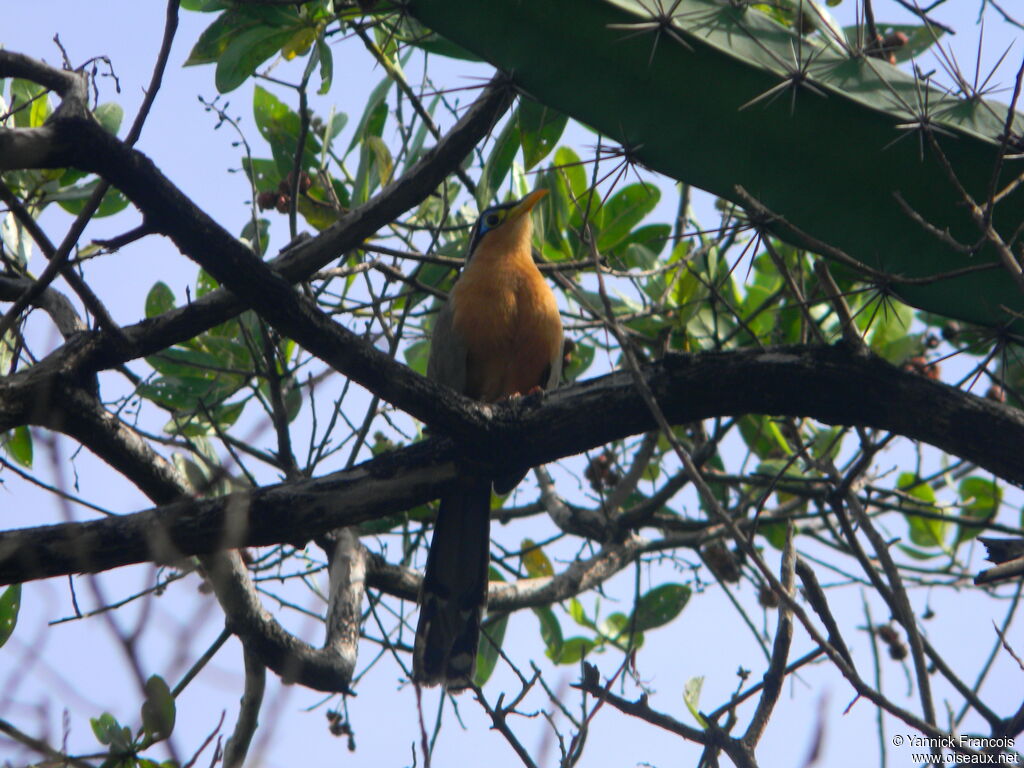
(498, 336)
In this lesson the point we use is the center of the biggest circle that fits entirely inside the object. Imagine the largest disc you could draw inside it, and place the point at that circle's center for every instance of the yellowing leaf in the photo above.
(535, 561)
(299, 43)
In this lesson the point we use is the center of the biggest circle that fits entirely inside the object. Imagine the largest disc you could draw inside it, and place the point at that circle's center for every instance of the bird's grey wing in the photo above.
(555, 372)
(447, 362)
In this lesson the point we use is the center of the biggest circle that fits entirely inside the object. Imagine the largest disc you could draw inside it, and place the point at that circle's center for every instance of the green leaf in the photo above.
(759, 319)
(763, 436)
(228, 354)
(374, 114)
(160, 299)
(416, 145)
(779, 470)
(924, 531)
(109, 732)
(775, 533)
(659, 606)
(10, 603)
(202, 425)
(890, 322)
(618, 630)
(185, 393)
(980, 498)
(579, 361)
(101, 727)
(497, 165)
(688, 292)
(579, 615)
(158, 709)
(214, 40)
(540, 128)
(385, 164)
(569, 165)
(18, 446)
(205, 283)
(29, 103)
(487, 654)
(301, 40)
(625, 210)
(326, 65)
(280, 126)
(263, 173)
(197, 475)
(909, 483)
(691, 697)
(248, 236)
(319, 214)
(917, 554)
(827, 442)
(185, 363)
(574, 649)
(382, 444)
(245, 52)
(109, 116)
(493, 635)
(336, 121)
(203, 6)
(416, 356)
(73, 199)
(653, 238)
(550, 632)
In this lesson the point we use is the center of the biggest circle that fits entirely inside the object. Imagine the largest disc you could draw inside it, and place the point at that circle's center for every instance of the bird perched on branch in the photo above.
(498, 336)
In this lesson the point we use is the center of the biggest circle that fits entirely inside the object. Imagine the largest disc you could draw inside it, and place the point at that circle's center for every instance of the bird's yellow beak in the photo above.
(525, 205)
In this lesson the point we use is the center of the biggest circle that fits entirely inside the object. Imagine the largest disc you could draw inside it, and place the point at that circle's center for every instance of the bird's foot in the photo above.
(536, 391)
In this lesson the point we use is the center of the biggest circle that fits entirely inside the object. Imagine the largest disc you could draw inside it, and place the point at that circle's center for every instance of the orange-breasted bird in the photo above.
(498, 336)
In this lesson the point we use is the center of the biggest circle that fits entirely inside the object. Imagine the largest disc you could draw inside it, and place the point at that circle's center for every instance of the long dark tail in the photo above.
(454, 588)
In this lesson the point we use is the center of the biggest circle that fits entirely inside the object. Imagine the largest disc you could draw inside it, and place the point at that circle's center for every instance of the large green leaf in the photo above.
(623, 211)
(229, 26)
(660, 606)
(245, 53)
(280, 126)
(710, 98)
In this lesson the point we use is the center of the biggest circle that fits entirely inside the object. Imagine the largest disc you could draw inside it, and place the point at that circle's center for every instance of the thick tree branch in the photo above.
(237, 746)
(829, 384)
(294, 660)
(53, 302)
(295, 512)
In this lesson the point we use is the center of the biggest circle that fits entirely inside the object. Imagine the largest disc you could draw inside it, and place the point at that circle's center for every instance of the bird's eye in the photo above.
(491, 219)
